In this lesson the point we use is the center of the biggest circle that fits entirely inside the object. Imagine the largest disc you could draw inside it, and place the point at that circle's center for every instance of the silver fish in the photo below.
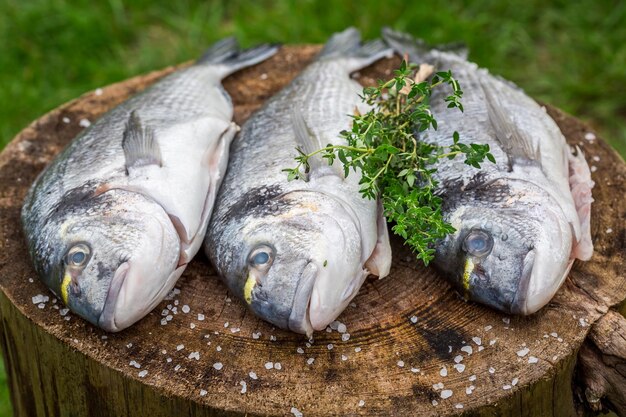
(297, 252)
(521, 222)
(113, 221)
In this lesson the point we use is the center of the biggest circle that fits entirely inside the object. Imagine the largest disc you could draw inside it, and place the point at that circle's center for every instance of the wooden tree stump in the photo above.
(406, 332)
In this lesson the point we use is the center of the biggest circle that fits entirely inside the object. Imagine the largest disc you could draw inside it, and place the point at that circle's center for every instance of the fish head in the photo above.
(509, 259)
(111, 258)
(300, 263)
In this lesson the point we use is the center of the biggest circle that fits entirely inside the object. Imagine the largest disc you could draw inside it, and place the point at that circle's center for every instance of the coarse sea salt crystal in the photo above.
(41, 306)
(235, 329)
(609, 230)
(434, 402)
(438, 386)
(329, 346)
(554, 334)
(244, 386)
(186, 309)
(357, 349)
(64, 311)
(253, 375)
(345, 337)
(341, 328)
(443, 371)
(300, 350)
(200, 316)
(458, 358)
(492, 370)
(515, 381)
(590, 136)
(344, 358)
(467, 349)
(472, 378)
(278, 366)
(401, 364)
(84, 123)
(492, 342)
(415, 370)
(203, 392)
(272, 338)
(477, 340)
(218, 348)
(487, 328)
(226, 324)
(413, 319)
(296, 412)
(523, 352)
(506, 320)
(446, 393)
(459, 406)
(269, 365)
(142, 373)
(135, 364)
(256, 335)
(218, 366)
(469, 390)
(194, 355)
(506, 387)
(163, 322)
(66, 120)
(168, 360)
(361, 403)
(169, 317)
(459, 367)
(532, 359)
(192, 325)
(180, 347)
(38, 299)
(310, 361)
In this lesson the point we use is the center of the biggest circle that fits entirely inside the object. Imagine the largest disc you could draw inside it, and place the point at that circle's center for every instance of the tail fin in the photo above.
(418, 50)
(347, 46)
(226, 54)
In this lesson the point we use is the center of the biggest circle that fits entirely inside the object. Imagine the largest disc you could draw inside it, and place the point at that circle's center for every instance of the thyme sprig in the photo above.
(385, 145)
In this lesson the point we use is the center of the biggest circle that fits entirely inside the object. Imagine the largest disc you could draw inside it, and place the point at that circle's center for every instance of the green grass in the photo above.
(571, 54)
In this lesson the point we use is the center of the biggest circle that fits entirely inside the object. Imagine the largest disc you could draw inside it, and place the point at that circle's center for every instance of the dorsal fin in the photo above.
(140, 147)
(309, 143)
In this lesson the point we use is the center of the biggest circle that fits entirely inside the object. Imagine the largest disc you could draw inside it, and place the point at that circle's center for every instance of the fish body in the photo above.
(297, 252)
(113, 221)
(520, 222)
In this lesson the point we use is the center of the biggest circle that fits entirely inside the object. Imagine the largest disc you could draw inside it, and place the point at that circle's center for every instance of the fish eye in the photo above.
(78, 255)
(478, 243)
(261, 257)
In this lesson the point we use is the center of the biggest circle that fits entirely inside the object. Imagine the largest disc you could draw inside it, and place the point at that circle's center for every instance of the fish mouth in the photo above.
(107, 317)
(300, 319)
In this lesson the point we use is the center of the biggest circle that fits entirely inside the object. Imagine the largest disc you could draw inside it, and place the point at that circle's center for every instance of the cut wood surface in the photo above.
(410, 339)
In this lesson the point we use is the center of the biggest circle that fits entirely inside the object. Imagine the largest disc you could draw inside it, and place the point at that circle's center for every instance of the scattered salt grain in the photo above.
(64, 311)
(194, 355)
(472, 378)
(593, 168)
(186, 309)
(226, 324)
(492, 342)
(300, 350)
(609, 230)
(218, 366)
(169, 317)
(506, 320)
(142, 373)
(310, 361)
(554, 334)
(66, 120)
(235, 329)
(401, 364)
(492, 370)
(590, 136)
(263, 76)
(296, 412)
(438, 386)
(218, 348)
(487, 328)
(341, 328)
(470, 389)
(533, 359)
(278, 366)
(357, 349)
(515, 381)
(414, 319)
(344, 358)
(477, 340)
(253, 375)
(269, 365)
(458, 358)
(41, 306)
(192, 325)
(130, 345)
(329, 346)
(84, 123)
(435, 402)
(177, 367)
(523, 352)
(361, 403)
(459, 367)
(443, 371)
(459, 406)
(203, 392)
(481, 348)
(596, 158)
(134, 364)
(256, 335)
(244, 386)
(272, 338)
(506, 387)
(168, 360)
(163, 322)
(200, 316)
(415, 370)
(345, 337)
(180, 347)
(467, 349)
(446, 393)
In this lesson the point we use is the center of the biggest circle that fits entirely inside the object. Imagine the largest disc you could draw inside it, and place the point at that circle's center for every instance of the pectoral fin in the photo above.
(139, 145)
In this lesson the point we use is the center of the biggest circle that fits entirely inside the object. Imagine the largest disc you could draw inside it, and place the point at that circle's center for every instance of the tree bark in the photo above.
(406, 332)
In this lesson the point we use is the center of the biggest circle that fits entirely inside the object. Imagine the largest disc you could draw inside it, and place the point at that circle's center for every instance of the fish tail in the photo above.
(227, 55)
(347, 46)
(418, 49)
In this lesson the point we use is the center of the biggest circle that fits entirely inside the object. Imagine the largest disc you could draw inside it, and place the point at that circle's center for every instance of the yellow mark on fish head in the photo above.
(467, 273)
(65, 286)
(248, 287)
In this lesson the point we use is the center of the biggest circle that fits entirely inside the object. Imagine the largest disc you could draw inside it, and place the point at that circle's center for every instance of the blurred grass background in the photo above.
(571, 54)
